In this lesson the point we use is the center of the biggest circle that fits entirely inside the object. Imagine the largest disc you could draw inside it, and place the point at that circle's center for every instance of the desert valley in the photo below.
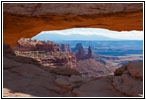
(71, 68)
(80, 57)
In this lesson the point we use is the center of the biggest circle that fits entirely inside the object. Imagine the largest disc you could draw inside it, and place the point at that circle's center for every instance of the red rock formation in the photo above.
(134, 71)
(90, 67)
(7, 49)
(27, 20)
(79, 51)
(65, 47)
(48, 54)
(78, 47)
(80, 54)
(17, 74)
(89, 55)
(129, 79)
(26, 44)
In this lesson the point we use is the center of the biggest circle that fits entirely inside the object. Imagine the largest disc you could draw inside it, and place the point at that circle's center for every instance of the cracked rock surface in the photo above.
(27, 20)
(26, 79)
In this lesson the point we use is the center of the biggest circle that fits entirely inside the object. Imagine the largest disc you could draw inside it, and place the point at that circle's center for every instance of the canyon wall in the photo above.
(24, 77)
(27, 20)
(48, 54)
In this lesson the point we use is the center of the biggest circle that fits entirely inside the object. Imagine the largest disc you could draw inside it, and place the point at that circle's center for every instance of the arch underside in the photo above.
(16, 26)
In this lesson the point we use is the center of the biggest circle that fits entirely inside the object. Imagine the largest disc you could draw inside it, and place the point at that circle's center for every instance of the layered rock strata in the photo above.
(19, 74)
(48, 54)
(28, 19)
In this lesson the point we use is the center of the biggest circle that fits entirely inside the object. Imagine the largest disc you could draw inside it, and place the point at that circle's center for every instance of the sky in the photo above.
(124, 35)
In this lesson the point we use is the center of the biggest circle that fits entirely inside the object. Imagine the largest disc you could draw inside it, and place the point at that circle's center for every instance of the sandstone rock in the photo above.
(75, 79)
(78, 47)
(7, 50)
(136, 69)
(65, 71)
(58, 90)
(49, 16)
(65, 47)
(79, 54)
(27, 79)
(64, 83)
(79, 51)
(26, 44)
(47, 54)
(9, 93)
(128, 85)
(89, 55)
(72, 9)
(129, 79)
(101, 87)
(120, 71)
(91, 67)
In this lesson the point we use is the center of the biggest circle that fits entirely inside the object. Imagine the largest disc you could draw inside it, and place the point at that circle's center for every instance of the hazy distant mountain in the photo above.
(54, 37)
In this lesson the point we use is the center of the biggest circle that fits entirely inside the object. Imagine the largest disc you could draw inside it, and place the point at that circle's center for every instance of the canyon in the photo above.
(53, 55)
(21, 72)
(34, 68)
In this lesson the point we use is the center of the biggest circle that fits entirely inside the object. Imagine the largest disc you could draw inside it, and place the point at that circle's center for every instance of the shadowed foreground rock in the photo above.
(23, 79)
(130, 81)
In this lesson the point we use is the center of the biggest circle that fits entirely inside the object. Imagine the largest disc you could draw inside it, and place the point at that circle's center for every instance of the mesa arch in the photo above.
(27, 20)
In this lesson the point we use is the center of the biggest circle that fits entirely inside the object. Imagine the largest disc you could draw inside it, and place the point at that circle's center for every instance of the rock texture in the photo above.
(128, 82)
(24, 79)
(134, 71)
(89, 54)
(65, 47)
(74, 9)
(26, 44)
(54, 16)
(92, 68)
(101, 87)
(80, 52)
(78, 47)
(48, 54)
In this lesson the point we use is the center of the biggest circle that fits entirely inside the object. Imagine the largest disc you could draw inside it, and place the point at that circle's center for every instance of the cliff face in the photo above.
(27, 20)
(48, 54)
(65, 47)
(22, 77)
(89, 55)
(26, 44)
(80, 53)
(78, 47)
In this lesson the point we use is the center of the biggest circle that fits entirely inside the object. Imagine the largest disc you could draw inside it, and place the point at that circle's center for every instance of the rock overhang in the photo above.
(27, 20)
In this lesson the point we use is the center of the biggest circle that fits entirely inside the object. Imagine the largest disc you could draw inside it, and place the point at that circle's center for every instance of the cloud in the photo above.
(126, 35)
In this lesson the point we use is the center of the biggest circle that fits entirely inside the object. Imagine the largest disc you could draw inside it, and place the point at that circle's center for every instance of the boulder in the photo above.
(99, 87)
(136, 69)
(128, 79)
(121, 70)
(64, 83)
(67, 71)
(75, 79)
(128, 85)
